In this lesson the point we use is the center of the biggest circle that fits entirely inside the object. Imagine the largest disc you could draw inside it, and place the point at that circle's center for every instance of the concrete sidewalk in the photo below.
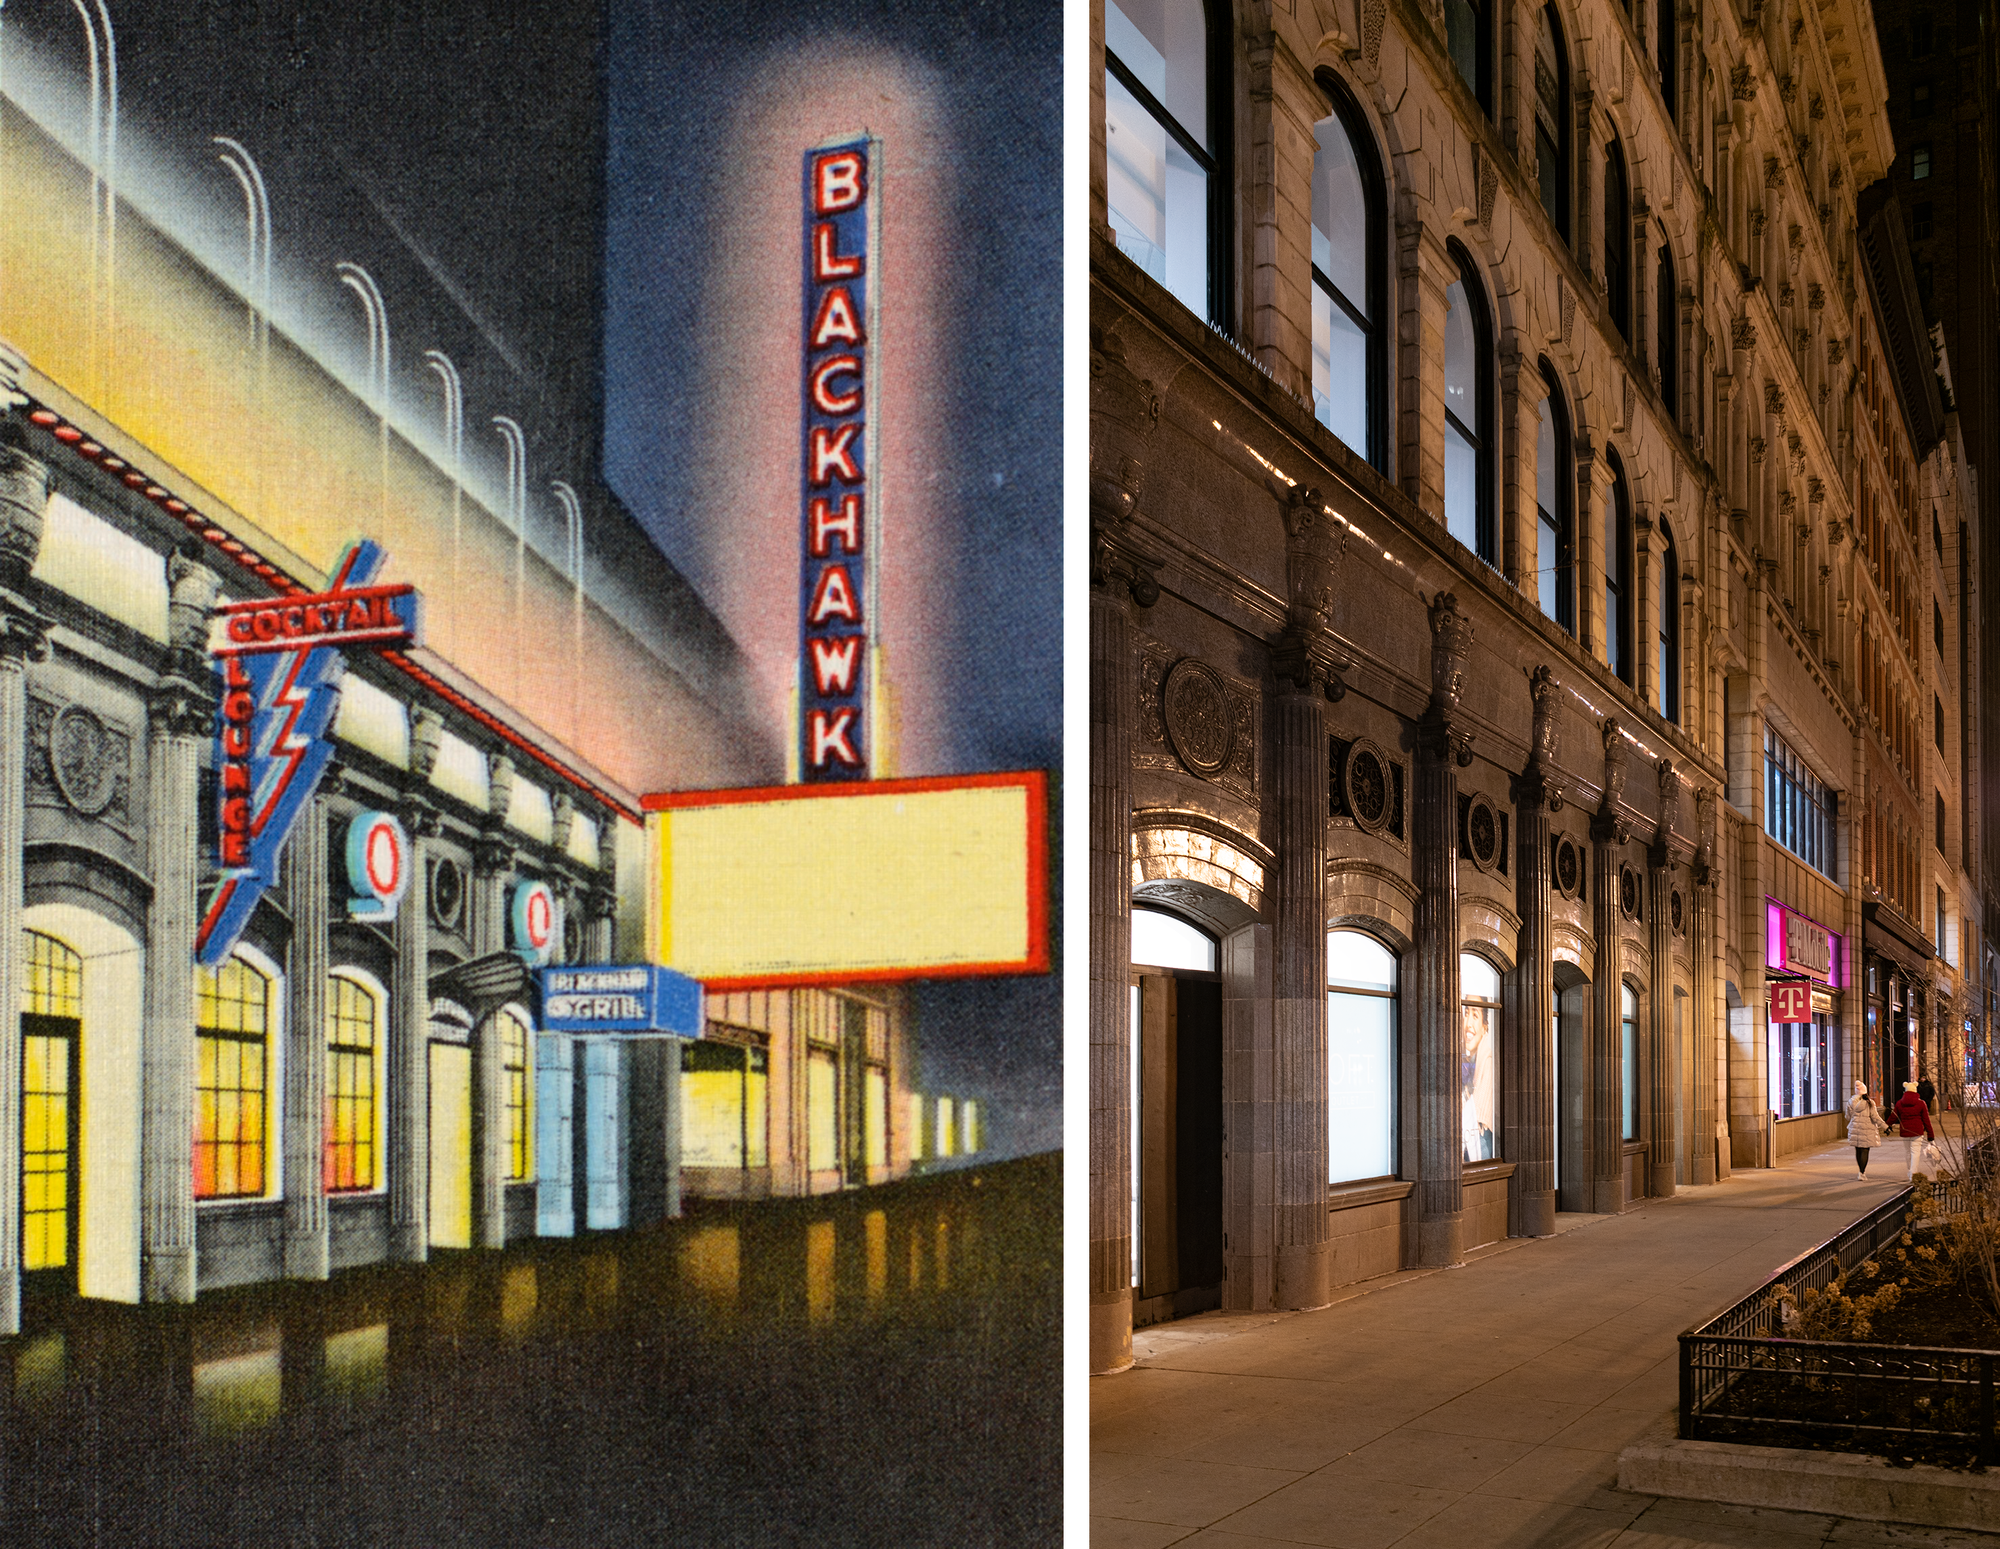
(1474, 1408)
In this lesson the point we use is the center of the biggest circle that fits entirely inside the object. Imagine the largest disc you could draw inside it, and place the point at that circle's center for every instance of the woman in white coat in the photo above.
(1864, 1126)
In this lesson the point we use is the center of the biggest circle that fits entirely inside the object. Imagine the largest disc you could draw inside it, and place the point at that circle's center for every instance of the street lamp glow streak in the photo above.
(517, 503)
(454, 442)
(573, 519)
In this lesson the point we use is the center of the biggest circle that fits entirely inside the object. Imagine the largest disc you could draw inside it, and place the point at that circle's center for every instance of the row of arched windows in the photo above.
(1165, 198)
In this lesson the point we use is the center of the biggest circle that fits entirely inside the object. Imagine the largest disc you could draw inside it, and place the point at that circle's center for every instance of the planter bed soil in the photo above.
(1901, 1414)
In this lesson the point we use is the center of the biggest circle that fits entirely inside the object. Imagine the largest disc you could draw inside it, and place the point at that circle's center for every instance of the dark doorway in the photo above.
(1180, 1143)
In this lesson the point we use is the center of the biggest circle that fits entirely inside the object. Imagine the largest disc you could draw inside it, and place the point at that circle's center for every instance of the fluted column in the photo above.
(180, 714)
(410, 1015)
(1528, 1087)
(1609, 835)
(1705, 948)
(24, 494)
(1443, 746)
(1124, 412)
(307, 1246)
(1298, 997)
(1658, 1123)
(493, 863)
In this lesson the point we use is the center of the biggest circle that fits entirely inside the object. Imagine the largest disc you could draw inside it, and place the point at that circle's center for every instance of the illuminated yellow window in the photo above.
(822, 1111)
(945, 1131)
(875, 1130)
(353, 1036)
(518, 1092)
(232, 1078)
(51, 1012)
(725, 1105)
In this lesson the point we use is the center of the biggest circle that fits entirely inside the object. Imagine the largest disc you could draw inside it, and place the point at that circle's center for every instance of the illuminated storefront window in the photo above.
(875, 1119)
(232, 1034)
(352, 1037)
(947, 1127)
(516, 1094)
(1479, 1057)
(822, 1110)
(725, 1105)
(1360, 1057)
(1628, 1047)
(51, 1017)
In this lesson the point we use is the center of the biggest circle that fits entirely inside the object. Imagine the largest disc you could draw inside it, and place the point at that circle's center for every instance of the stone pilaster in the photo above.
(493, 864)
(1284, 104)
(179, 715)
(307, 1246)
(1424, 270)
(1704, 949)
(1124, 412)
(1528, 1078)
(410, 1017)
(1662, 1097)
(1306, 674)
(1609, 834)
(1443, 747)
(1522, 391)
(24, 495)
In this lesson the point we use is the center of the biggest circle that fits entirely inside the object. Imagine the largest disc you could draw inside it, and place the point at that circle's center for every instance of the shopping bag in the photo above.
(1931, 1161)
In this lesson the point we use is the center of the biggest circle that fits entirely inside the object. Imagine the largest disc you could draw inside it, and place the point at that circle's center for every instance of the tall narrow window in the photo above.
(1160, 156)
(1555, 503)
(1667, 334)
(1467, 31)
(1348, 284)
(1552, 119)
(1360, 1057)
(1468, 413)
(1628, 1063)
(353, 1034)
(1617, 574)
(1617, 240)
(51, 1025)
(517, 1093)
(1670, 626)
(1668, 40)
(1479, 1057)
(232, 1033)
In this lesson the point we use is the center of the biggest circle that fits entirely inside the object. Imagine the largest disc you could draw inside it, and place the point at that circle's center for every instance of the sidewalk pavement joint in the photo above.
(1486, 1405)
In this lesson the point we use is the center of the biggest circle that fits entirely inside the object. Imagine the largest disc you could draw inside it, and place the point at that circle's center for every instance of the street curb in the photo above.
(1836, 1484)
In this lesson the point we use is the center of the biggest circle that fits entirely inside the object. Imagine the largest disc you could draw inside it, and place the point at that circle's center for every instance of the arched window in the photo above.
(1468, 31)
(1162, 940)
(1668, 27)
(1552, 119)
(1555, 508)
(1670, 625)
(1617, 240)
(1162, 189)
(1360, 1057)
(1349, 343)
(1667, 334)
(51, 1020)
(1628, 1048)
(1479, 1057)
(353, 1037)
(232, 1079)
(1618, 574)
(1468, 413)
(517, 1091)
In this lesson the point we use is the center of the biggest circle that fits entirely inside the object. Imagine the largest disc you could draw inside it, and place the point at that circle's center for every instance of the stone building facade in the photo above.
(1476, 731)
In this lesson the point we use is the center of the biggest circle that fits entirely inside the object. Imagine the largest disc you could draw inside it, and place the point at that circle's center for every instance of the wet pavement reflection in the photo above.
(880, 1367)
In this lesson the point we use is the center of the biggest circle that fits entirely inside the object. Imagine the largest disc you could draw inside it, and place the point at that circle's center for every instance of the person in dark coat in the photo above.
(1927, 1092)
(1913, 1122)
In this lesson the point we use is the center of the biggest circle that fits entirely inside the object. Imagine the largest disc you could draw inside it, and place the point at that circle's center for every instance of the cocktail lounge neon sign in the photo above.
(837, 493)
(279, 661)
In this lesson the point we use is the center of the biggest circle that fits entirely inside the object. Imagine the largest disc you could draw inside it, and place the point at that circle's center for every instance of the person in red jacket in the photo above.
(1913, 1119)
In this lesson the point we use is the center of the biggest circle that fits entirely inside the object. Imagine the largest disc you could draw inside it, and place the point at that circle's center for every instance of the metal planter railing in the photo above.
(1742, 1380)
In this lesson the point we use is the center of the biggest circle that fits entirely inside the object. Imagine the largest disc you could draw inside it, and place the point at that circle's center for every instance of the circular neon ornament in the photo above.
(378, 865)
(534, 922)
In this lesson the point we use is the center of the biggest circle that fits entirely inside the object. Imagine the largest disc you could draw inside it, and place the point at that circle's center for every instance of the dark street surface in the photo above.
(878, 1367)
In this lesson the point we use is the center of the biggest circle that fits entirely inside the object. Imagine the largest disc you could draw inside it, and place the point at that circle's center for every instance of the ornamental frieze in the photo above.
(1194, 720)
(79, 762)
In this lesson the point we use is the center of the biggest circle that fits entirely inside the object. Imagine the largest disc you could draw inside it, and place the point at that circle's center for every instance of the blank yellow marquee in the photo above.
(887, 879)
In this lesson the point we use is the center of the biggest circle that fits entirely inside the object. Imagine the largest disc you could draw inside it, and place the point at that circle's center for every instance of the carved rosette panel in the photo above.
(1482, 833)
(1367, 787)
(1629, 892)
(1677, 912)
(1195, 721)
(1566, 866)
(79, 761)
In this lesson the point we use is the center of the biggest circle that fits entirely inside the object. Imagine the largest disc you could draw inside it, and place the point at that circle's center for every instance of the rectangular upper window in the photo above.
(1799, 810)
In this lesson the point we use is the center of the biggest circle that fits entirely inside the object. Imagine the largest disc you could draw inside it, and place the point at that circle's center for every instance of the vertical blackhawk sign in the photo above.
(836, 592)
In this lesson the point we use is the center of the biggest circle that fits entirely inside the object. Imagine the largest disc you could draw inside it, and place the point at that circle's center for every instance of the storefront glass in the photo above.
(1804, 1079)
(1479, 1057)
(1361, 1057)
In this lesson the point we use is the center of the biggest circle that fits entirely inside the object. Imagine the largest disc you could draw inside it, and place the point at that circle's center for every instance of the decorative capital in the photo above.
(1451, 643)
(499, 786)
(179, 707)
(1670, 798)
(493, 855)
(420, 816)
(426, 736)
(1124, 413)
(562, 810)
(1614, 763)
(1704, 826)
(25, 487)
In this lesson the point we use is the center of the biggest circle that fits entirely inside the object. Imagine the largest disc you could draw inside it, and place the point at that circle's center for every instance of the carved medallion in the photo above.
(1677, 913)
(1199, 719)
(447, 893)
(1481, 839)
(1628, 892)
(1365, 785)
(1568, 868)
(84, 758)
